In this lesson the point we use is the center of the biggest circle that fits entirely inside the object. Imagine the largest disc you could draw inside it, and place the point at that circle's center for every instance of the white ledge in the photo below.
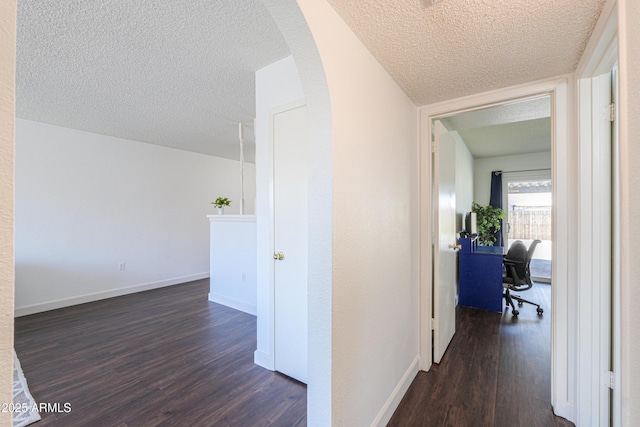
(232, 218)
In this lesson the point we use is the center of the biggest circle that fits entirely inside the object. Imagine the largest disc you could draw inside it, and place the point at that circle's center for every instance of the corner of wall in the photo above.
(629, 57)
(7, 123)
(389, 407)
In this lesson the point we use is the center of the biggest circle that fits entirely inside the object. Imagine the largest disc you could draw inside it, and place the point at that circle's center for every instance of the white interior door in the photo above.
(444, 254)
(290, 190)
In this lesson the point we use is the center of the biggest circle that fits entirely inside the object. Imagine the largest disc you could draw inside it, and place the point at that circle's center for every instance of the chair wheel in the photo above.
(540, 311)
(515, 312)
(520, 303)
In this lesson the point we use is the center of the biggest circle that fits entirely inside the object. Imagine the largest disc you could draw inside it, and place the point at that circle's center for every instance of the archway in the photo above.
(294, 28)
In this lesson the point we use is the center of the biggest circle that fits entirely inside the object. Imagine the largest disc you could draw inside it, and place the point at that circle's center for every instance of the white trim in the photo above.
(563, 375)
(616, 250)
(438, 352)
(598, 247)
(232, 218)
(233, 303)
(263, 359)
(603, 38)
(563, 353)
(97, 296)
(426, 242)
(389, 407)
(593, 248)
(495, 97)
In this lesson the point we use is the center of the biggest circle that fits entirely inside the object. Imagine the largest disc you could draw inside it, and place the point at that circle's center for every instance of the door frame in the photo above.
(598, 324)
(562, 350)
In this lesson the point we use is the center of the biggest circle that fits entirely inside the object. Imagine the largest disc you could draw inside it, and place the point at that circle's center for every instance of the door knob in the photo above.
(278, 256)
(455, 247)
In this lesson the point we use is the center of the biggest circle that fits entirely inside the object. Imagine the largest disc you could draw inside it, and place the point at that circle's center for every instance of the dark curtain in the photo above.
(496, 200)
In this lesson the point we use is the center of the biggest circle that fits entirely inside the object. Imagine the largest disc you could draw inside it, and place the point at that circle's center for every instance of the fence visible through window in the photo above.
(530, 223)
(528, 206)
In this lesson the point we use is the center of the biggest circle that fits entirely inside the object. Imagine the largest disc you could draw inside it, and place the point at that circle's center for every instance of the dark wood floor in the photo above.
(166, 357)
(169, 357)
(496, 372)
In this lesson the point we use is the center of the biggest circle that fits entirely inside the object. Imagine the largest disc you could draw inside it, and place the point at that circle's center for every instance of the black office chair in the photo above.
(517, 275)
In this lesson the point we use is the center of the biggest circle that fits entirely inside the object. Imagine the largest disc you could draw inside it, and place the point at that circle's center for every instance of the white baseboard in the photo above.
(565, 410)
(96, 296)
(233, 303)
(263, 359)
(397, 394)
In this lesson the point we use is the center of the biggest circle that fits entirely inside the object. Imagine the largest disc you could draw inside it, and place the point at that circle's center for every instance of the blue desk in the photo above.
(480, 274)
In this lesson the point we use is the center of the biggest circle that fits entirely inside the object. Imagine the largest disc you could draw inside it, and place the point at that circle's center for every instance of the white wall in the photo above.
(464, 181)
(7, 122)
(86, 202)
(375, 228)
(233, 261)
(276, 85)
(521, 162)
(629, 54)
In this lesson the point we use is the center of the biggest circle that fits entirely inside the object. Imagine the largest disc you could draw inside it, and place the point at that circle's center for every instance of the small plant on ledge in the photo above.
(488, 222)
(221, 202)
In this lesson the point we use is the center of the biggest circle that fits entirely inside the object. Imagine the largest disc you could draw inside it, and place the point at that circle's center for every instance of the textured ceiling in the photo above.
(519, 127)
(531, 136)
(461, 47)
(173, 73)
(181, 73)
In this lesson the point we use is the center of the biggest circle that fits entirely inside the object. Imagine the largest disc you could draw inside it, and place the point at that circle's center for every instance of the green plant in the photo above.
(221, 202)
(488, 222)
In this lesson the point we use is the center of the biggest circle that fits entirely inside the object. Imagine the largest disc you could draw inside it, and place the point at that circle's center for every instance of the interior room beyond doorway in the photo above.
(505, 139)
(513, 139)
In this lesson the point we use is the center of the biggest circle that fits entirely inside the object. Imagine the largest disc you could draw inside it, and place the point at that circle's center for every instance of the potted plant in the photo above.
(220, 203)
(488, 222)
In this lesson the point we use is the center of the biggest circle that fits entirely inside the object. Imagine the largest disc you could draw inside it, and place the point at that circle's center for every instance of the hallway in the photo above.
(496, 372)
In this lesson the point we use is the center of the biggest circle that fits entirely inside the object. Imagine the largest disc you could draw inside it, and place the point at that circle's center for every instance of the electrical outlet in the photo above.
(122, 266)
(244, 277)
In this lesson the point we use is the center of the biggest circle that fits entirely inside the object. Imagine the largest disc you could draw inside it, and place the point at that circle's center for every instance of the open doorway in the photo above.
(498, 155)
(553, 93)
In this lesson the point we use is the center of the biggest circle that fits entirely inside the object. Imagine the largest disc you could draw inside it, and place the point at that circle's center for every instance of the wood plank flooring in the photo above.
(496, 372)
(169, 357)
(166, 357)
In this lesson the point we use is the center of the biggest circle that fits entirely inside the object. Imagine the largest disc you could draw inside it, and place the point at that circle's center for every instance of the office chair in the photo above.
(517, 276)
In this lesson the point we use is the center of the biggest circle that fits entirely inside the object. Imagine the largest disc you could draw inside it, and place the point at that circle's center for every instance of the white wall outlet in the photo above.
(122, 266)
(244, 277)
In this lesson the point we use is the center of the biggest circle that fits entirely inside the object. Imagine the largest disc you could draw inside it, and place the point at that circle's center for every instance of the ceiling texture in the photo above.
(454, 48)
(519, 127)
(181, 73)
(173, 73)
